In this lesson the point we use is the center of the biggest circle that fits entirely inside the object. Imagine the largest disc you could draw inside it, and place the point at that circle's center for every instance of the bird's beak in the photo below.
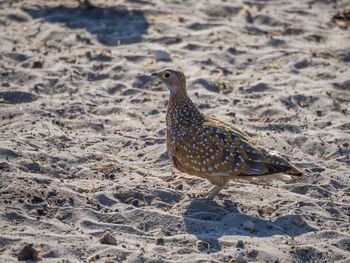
(154, 74)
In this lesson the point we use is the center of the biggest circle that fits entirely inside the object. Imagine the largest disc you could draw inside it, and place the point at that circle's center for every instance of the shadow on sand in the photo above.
(111, 25)
(208, 221)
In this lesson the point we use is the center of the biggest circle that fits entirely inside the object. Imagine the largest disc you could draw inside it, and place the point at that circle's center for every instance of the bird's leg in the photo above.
(213, 192)
(220, 182)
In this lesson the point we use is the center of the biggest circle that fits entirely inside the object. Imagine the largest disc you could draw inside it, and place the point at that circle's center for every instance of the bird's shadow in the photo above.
(111, 25)
(208, 221)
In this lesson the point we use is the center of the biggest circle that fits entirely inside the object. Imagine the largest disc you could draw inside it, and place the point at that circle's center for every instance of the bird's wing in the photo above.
(215, 148)
(240, 155)
(198, 150)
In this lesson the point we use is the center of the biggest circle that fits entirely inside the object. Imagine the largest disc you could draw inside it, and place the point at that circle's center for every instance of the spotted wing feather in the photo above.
(242, 156)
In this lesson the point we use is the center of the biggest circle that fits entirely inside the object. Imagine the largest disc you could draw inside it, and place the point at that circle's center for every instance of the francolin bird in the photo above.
(210, 148)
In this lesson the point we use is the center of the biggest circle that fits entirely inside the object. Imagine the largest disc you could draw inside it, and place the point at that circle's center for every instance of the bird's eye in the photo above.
(166, 75)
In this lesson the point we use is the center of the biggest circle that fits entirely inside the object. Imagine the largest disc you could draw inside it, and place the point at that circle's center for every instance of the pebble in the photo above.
(29, 252)
(108, 238)
(297, 220)
(240, 243)
(135, 202)
(248, 225)
(159, 241)
(239, 257)
(37, 64)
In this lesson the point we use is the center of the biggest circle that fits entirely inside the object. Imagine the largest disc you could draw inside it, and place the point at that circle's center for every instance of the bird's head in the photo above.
(173, 79)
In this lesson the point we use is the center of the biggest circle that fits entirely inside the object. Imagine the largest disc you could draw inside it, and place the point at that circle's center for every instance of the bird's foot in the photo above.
(213, 192)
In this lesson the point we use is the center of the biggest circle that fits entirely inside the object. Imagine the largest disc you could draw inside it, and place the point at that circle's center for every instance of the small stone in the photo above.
(135, 202)
(154, 112)
(239, 257)
(202, 245)
(108, 238)
(37, 199)
(29, 252)
(240, 243)
(248, 225)
(297, 220)
(319, 113)
(302, 64)
(40, 211)
(253, 253)
(159, 241)
(37, 64)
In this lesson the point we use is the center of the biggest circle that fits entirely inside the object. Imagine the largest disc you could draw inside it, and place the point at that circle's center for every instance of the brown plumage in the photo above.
(210, 148)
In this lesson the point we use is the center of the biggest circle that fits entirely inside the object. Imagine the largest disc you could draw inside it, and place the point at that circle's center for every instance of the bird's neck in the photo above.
(179, 97)
(181, 109)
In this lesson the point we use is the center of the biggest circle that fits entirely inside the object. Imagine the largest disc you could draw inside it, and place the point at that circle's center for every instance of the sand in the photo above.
(82, 130)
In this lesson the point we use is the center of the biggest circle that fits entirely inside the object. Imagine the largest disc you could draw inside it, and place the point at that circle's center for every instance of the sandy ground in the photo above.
(82, 126)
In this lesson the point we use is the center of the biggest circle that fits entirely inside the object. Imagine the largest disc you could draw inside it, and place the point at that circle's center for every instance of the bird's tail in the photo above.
(289, 167)
(295, 170)
(284, 171)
